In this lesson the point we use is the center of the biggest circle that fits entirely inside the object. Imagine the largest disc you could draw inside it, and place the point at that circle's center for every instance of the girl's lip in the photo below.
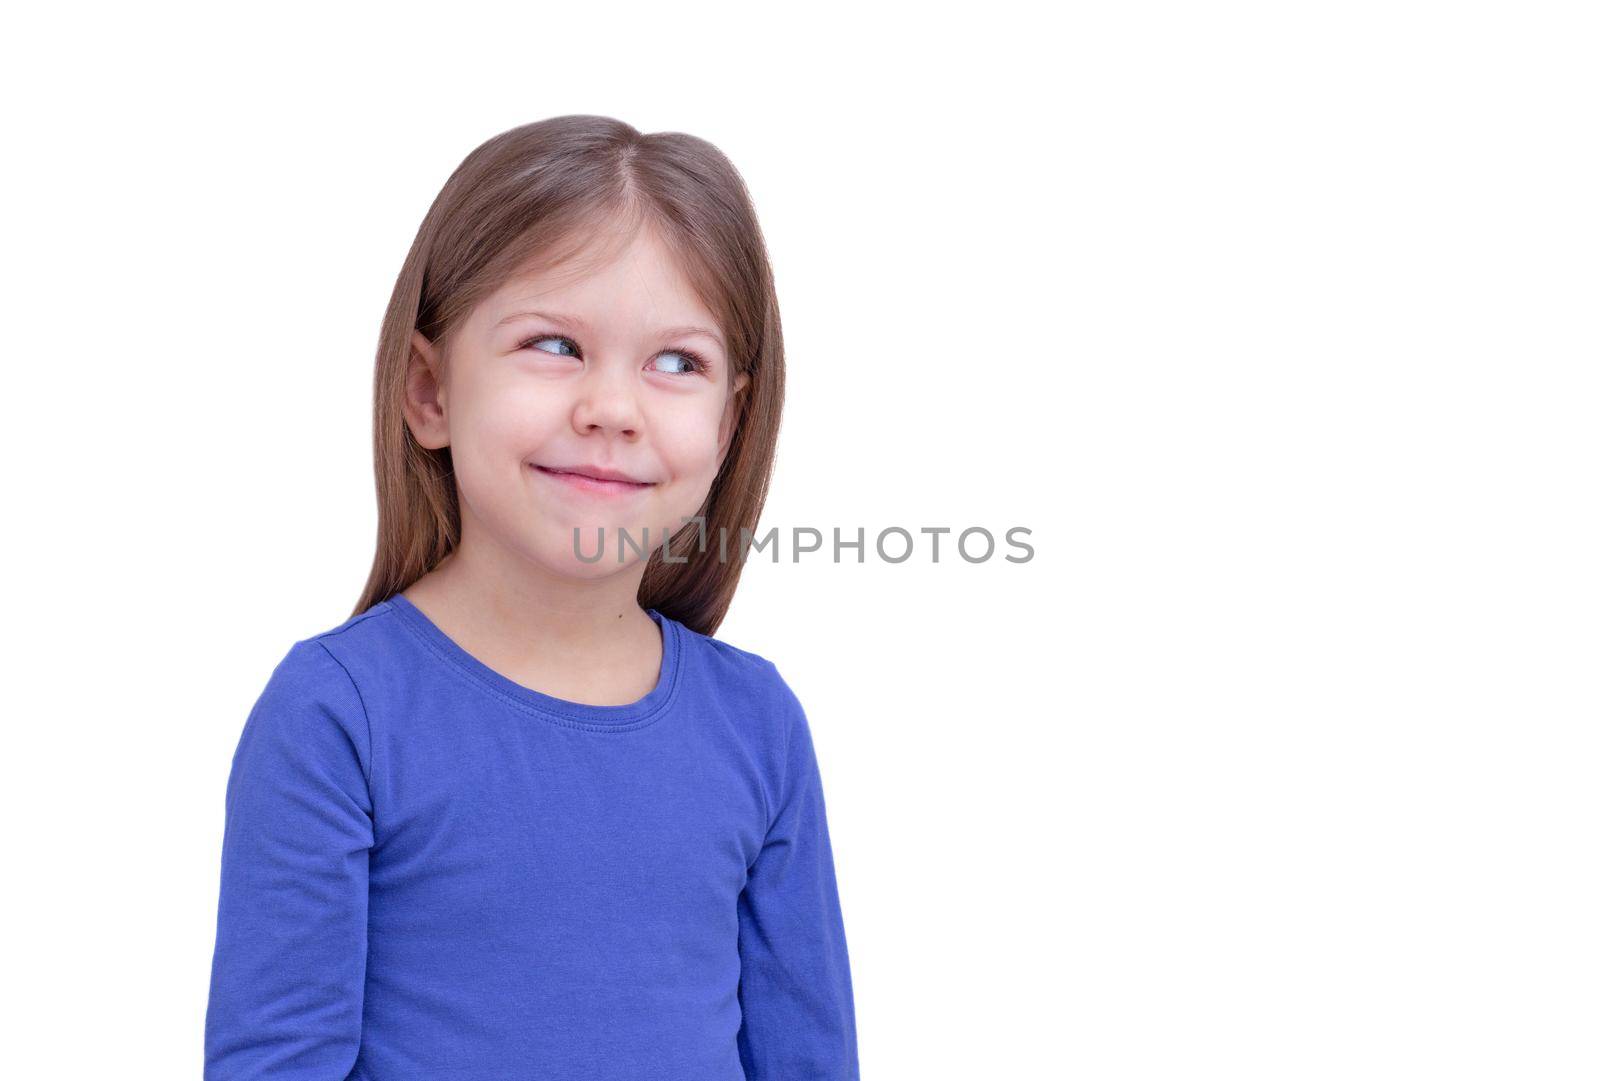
(593, 485)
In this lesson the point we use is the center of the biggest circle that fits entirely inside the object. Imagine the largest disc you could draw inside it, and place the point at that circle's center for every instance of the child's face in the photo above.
(581, 369)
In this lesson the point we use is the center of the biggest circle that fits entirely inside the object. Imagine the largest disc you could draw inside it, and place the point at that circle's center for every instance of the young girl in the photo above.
(521, 816)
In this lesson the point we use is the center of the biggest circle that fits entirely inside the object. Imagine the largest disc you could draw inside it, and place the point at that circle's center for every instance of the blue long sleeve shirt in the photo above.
(433, 873)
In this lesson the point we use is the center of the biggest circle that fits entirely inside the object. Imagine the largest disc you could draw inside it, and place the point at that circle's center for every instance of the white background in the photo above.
(1275, 323)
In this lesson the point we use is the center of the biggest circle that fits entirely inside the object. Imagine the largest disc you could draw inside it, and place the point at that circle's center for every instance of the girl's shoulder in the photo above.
(724, 651)
(309, 711)
(753, 672)
(328, 662)
(730, 660)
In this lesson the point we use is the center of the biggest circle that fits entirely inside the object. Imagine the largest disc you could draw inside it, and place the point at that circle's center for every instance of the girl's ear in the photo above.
(424, 402)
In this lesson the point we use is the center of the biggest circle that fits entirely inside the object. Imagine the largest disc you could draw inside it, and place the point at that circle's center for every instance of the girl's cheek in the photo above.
(691, 441)
(516, 413)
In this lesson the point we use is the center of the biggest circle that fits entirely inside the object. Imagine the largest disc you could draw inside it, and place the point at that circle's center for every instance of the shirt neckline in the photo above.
(572, 714)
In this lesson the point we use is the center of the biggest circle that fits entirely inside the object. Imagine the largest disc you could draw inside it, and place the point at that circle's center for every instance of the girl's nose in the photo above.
(607, 402)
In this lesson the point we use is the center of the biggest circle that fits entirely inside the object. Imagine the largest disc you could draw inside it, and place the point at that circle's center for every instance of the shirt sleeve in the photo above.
(289, 968)
(794, 983)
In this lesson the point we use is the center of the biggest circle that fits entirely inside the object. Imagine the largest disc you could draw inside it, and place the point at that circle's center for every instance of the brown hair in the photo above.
(532, 198)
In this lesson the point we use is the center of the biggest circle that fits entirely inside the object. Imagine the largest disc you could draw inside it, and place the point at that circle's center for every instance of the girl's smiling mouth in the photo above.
(594, 480)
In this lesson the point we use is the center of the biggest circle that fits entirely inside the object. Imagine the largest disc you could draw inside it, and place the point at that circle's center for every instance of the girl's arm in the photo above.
(289, 968)
(794, 984)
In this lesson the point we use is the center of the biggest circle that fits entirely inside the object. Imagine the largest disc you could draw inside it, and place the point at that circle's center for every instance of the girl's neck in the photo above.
(584, 641)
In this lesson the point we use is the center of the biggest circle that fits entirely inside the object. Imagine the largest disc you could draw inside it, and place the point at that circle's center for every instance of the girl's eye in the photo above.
(690, 361)
(550, 338)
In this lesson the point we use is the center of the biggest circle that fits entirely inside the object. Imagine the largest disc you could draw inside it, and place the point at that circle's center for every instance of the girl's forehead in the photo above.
(637, 272)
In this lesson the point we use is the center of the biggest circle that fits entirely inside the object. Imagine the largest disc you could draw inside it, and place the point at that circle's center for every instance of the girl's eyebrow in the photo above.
(579, 324)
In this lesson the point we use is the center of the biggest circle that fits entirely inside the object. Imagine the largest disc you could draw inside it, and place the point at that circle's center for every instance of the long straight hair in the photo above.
(533, 198)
